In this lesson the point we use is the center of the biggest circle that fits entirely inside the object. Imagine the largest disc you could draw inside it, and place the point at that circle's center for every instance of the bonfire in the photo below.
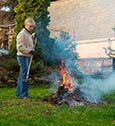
(66, 81)
(67, 92)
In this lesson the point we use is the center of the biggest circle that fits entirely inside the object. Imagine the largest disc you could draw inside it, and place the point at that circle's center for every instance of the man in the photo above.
(25, 50)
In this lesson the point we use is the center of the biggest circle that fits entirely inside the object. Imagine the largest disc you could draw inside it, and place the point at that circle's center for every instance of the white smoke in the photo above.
(54, 77)
(94, 89)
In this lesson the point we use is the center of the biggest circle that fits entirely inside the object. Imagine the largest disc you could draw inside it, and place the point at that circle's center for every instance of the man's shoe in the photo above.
(26, 99)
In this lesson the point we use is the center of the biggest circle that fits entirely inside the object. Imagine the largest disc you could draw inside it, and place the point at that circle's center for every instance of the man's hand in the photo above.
(32, 52)
(34, 35)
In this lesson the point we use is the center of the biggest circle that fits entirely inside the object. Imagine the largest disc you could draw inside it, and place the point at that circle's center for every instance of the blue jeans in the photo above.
(22, 86)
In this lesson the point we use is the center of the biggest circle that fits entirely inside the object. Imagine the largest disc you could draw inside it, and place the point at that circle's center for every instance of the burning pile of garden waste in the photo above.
(67, 92)
(66, 88)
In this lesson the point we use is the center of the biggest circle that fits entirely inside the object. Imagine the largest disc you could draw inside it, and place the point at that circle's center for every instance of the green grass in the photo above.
(36, 112)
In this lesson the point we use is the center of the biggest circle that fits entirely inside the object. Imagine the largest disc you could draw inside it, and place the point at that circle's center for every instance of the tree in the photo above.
(46, 43)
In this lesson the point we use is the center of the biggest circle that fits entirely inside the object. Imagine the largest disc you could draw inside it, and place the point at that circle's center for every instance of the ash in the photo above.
(71, 98)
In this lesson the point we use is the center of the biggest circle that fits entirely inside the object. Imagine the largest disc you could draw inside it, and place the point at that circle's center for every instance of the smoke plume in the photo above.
(94, 89)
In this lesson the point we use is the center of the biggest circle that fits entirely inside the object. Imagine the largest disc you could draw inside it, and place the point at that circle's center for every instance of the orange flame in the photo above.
(66, 81)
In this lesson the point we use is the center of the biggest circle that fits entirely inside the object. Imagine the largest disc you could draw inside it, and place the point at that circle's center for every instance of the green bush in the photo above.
(9, 64)
(13, 47)
(37, 67)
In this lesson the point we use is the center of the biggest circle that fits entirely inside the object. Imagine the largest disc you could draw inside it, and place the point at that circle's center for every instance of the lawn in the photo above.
(36, 112)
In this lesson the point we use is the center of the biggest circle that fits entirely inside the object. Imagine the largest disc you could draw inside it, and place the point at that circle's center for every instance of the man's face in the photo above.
(29, 27)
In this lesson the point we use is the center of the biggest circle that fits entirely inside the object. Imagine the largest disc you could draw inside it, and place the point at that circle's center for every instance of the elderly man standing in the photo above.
(25, 50)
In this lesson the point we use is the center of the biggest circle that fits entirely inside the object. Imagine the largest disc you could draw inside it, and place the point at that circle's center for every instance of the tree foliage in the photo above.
(44, 41)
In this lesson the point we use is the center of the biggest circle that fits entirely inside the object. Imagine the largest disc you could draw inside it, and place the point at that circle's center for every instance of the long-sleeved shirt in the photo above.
(24, 43)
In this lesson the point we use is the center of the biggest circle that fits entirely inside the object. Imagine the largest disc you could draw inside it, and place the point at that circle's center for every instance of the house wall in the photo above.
(88, 19)
(91, 22)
